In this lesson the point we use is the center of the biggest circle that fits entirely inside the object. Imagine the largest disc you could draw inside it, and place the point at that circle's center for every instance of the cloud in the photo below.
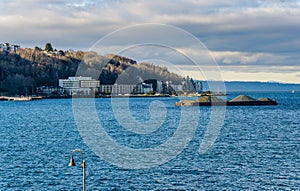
(246, 24)
(268, 76)
(245, 73)
(248, 33)
(248, 58)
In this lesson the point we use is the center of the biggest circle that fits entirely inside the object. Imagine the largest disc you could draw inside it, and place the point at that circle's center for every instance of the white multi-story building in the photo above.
(79, 85)
(123, 89)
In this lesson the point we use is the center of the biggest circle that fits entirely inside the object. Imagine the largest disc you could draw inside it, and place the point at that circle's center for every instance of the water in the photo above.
(257, 148)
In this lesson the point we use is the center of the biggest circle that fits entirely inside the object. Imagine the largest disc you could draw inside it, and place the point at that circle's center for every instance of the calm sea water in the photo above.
(258, 148)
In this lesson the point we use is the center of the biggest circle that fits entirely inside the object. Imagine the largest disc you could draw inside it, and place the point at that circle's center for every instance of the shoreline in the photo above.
(114, 96)
(32, 98)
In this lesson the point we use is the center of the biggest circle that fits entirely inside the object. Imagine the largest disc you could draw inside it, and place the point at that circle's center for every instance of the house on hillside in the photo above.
(7, 47)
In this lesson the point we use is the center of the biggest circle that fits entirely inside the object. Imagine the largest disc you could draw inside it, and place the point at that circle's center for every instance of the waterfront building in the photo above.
(105, 89)
(79, 85)
(154, 85)
(121, 89)
(146, 88)
(49, 91)
(124, 89)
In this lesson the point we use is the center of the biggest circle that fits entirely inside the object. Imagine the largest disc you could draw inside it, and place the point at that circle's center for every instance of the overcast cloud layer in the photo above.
(257, 40)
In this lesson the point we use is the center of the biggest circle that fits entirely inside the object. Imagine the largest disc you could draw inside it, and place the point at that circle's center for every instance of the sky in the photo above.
(249, 40)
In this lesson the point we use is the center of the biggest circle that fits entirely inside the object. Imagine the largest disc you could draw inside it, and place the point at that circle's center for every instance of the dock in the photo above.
(19, 98)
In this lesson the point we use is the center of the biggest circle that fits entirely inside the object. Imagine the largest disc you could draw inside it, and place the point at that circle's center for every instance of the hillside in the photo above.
(26, 69)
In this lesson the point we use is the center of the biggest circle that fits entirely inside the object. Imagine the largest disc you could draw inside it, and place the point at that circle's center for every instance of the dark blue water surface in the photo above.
(258, 148)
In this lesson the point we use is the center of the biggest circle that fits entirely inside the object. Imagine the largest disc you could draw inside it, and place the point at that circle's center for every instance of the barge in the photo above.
(241, 100)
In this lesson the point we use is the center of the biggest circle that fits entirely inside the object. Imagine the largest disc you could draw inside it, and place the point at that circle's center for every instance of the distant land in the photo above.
(241, 86)
(22, 70)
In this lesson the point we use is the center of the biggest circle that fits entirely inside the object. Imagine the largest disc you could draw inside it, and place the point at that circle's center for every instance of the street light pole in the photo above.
(83, 175)
(72, 163)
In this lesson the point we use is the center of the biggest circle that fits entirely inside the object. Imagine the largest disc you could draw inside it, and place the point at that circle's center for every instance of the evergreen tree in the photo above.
(48, 47)
(37, 48)
(61, 53)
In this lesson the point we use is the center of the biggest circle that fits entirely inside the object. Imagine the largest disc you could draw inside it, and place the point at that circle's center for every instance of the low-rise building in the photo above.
(156, 86)
(49, 91)
(123, 89)
(105, 89)
(146, 88)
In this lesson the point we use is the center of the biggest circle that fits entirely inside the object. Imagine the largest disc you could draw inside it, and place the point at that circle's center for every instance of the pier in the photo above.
(19, 98)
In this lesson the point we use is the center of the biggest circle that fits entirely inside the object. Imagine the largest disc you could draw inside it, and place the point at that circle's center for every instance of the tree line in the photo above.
(24, 70)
